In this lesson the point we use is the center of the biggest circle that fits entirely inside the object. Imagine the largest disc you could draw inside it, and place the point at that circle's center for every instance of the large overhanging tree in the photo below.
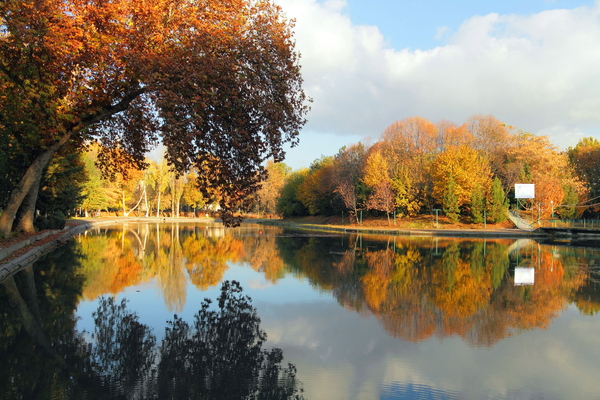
(218, 81)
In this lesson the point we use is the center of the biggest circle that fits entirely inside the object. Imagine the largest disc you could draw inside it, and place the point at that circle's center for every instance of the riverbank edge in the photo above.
(46, 241)
(50, 240)
(369, 230)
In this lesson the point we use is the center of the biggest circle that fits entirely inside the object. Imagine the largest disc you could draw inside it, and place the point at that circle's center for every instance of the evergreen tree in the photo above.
(477, 205)
(498, 203)
(568, 211)
(450, 201)
(62, 183)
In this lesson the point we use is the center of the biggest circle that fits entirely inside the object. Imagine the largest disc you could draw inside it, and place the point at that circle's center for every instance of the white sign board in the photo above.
(524, 276)
(524, 191)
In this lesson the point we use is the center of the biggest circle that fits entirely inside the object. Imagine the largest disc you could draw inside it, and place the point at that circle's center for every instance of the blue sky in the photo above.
(531, 64)
(422, 24)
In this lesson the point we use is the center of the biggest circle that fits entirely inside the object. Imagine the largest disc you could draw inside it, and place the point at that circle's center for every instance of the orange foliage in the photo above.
(110, 264)
(128, 273)
(375, 282)
(208, 257)
(265, 257)
(538, 161)
(411, 135)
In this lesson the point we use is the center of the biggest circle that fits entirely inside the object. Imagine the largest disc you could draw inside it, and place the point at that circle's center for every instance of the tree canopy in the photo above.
(218, 82)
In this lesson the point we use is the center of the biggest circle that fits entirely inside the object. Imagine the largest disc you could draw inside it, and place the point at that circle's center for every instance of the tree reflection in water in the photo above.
(220, 356)
(420, 288)
(416, 287)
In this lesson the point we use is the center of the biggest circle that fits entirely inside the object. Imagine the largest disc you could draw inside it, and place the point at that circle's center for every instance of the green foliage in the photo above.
(450, 201)
(498, 203)
(318, 190)
(477, 205)
(94, 189)
(62, 185)
(568, 209)
(56, 220)
(585, 158)
(289, 205)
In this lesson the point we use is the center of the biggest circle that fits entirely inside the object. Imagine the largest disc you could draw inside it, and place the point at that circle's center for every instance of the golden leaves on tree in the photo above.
(207, 258)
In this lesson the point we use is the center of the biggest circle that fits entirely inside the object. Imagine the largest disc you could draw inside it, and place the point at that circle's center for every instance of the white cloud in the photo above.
(537, 72)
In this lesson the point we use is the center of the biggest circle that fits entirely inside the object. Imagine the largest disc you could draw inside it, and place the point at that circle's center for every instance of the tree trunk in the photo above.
(158, 204)
(31, 179)
(26, 214)
(146, 201)
(31, 326)
(125, 213)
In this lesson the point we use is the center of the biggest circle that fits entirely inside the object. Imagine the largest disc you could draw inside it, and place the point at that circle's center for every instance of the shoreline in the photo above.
(20, 254)
(494, 233)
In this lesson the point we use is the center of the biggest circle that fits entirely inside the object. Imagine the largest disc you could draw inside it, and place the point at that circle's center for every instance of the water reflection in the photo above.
(463, 287)
(219, 356)
(416, 287)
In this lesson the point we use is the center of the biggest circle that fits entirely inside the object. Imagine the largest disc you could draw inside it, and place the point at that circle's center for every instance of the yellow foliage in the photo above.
(468, 168)
(376, 170)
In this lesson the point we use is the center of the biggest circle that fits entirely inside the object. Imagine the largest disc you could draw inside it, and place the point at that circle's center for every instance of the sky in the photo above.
(532, 64)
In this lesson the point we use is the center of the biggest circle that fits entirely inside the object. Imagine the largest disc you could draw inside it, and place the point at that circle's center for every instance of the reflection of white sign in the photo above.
(524, 191)
(524, 276)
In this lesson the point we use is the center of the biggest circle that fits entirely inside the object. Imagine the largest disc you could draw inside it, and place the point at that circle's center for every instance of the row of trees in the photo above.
(468, 171)
(147, 192)
(74, 184)
(415, 167)
(159, 191)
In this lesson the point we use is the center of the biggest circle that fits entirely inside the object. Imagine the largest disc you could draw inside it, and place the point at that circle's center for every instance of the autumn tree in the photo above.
(289, 205)
(376, 177)
(348, 164)
(158, 181)
(217, 81)
(409, 147)
(450, 135)
(411, 135)
(192, 195)
(317, 191)
(176, 184)
(541, 163)
(128, 184)
(466, 167)
(267, 196)
(585, 160)
(493, 139)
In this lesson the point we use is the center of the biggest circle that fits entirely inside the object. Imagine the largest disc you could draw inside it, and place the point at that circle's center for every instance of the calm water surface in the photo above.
(330, 316)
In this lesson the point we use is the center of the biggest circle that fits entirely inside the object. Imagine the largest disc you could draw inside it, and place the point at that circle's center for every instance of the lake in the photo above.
(260, 312)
